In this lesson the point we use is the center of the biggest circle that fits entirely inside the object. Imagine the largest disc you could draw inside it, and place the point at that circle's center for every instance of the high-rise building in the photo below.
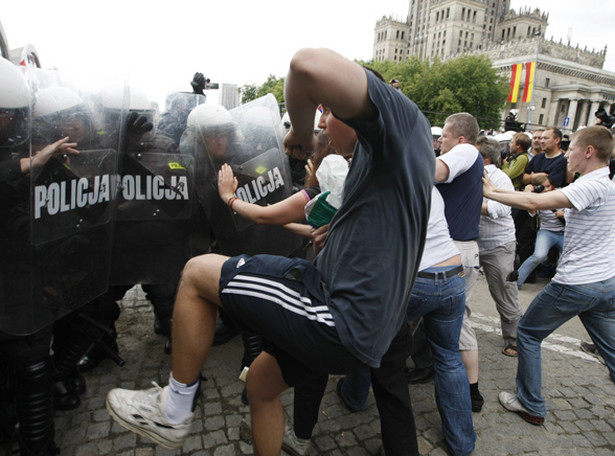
(569, 83)
(229, 96)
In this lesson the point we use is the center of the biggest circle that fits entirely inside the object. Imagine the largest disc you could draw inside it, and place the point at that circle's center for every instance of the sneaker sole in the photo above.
(156, 438)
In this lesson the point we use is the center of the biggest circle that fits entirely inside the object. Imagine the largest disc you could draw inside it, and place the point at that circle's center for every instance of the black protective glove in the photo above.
(136, 126)
(198, 83)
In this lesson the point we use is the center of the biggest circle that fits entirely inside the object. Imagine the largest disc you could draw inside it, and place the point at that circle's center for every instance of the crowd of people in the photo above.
(395, 258)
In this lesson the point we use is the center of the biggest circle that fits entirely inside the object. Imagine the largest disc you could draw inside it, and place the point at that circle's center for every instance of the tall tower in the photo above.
(441, 28)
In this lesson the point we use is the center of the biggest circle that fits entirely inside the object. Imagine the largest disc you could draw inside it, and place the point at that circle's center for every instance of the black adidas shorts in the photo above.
(282, 300)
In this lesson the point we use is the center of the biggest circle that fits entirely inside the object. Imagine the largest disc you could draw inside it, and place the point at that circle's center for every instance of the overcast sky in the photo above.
(159, 45)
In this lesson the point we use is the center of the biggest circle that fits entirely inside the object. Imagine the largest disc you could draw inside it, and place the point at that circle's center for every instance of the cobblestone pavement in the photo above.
(579, 393)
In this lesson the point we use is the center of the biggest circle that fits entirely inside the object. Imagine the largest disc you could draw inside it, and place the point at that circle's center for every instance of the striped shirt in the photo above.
(589, 237)
(498, 228)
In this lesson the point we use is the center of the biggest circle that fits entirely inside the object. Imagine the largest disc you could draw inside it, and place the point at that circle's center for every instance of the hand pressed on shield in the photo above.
(60, 147)
(227, 183)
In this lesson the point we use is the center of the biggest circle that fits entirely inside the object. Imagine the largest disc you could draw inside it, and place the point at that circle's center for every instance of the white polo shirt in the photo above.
(589, 236)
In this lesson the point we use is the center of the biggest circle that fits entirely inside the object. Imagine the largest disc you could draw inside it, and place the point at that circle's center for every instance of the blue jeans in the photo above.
(594, 303)
(545, 239)
(355, 389)
(441, 302)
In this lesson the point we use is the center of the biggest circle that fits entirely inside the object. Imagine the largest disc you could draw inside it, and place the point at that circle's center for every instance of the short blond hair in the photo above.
(599, 137)
(463, 124)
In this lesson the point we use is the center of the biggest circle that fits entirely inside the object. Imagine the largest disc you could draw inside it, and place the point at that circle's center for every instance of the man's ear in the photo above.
(462, 140)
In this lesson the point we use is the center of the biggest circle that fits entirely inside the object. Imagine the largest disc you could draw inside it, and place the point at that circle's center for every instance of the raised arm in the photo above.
(321, 76)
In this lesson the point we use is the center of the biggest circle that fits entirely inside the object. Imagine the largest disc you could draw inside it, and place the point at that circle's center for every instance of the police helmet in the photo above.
(14, 105)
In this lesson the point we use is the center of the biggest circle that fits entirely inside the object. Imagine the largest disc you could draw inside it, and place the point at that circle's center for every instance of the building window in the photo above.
(544, 103)
(541, 118)
(447, 11)
(547, 81)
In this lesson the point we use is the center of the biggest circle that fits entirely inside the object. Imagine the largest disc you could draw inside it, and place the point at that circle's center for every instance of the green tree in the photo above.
(274, 86)
(467, 83)
(248, 93)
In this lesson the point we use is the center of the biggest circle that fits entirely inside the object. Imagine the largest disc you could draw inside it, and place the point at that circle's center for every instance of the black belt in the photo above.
(442, 274)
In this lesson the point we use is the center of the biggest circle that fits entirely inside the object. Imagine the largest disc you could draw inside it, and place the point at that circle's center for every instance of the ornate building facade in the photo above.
(569, 83)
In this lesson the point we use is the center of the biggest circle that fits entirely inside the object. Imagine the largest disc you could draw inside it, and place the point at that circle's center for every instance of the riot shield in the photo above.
(154, 214)
(57, 209)
(247, 138)
(177, 108)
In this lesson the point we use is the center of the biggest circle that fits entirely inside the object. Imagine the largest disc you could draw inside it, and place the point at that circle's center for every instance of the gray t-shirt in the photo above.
(375, 240)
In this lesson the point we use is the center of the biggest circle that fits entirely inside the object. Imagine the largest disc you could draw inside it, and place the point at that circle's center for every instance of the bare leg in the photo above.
(470, 360)
(194, 316)
(265, 386)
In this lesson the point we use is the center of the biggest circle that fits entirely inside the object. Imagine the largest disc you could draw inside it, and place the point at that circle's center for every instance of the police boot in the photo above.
(68, 382)
(252, 347)
(35, 407)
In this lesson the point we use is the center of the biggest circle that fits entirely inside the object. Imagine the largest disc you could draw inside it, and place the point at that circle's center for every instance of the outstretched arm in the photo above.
(525, 200)
(288, 210)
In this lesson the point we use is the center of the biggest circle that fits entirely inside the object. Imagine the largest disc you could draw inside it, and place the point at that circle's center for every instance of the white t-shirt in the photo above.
(439, 245)
(589, 236)
(459, 159)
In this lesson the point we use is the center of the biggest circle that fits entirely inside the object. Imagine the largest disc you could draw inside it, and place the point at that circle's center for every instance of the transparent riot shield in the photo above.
(57, 209)
(247, 138)
(154, 214)
(178, 105)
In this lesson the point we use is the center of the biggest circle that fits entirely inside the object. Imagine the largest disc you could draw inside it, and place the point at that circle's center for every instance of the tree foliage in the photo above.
(467, 83)
(248, 93)
(272, 85)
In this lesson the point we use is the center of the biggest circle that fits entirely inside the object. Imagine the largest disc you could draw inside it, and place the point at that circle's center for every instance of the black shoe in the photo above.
(477, 401)
(224, 334)
(64, 396)
(79, 385)
(420, 375)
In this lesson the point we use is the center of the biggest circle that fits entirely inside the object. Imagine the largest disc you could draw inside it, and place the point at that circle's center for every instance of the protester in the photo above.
(584, 283)
(550, 233)
(497, 248)
(323, 330)
(459, 169)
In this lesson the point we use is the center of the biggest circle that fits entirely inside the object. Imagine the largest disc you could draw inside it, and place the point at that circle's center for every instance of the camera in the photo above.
(506, 155)
(539, 188)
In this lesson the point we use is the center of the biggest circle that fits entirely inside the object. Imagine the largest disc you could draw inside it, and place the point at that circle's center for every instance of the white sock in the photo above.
(179, 400)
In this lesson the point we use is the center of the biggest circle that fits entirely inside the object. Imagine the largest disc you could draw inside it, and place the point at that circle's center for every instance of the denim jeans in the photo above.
(545, 239)
(594, 303)
(441, 302)
(355, 389)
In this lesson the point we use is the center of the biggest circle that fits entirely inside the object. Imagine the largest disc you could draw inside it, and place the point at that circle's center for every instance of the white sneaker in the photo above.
(293, 445)
(142, 412)
(510, 402)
